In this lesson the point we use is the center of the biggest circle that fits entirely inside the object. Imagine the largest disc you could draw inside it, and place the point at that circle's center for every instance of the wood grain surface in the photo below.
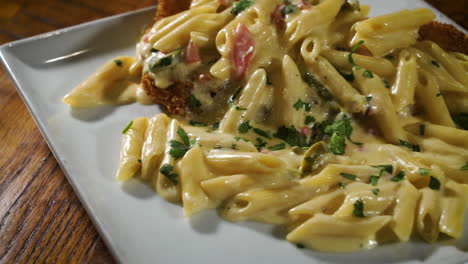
(41, 218)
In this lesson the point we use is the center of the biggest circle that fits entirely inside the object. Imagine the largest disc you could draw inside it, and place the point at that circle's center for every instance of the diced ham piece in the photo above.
(243, 47)
(277, 17)
(305, 4)
(192, 53)
(306, 131)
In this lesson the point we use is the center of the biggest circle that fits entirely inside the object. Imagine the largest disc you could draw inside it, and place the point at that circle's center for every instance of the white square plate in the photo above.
(137, 225)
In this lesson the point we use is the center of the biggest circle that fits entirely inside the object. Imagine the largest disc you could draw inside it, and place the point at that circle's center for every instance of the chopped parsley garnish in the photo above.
(300, 104)
(178, 149)
(310, 159)
(435, 63)
(262, 133)
(241, 6)
(338, 144)
(348, 176)
(234, 146)
(461, 119)
(197, 124)
(139, 160)
(410, 146)
(400, 176)
(368, 74)
(341, 185)
(288, 9)
(165, 61)
(434, 183)
(260, 144)
(183, 135)
(374, 179)
(244, 127)
(118, 63)
(359, 208)
(291, 136)
(168, 171)
(193, 102)
(353, 50)
(376, 191)
(424, 171)
(277, 147)
(309, 120)
(318, 86)
(215, 126)
(240, 108)
(386, 167)
(464, 167)
(129, 125)
(241, 138)
(422, 129)
(339, 131)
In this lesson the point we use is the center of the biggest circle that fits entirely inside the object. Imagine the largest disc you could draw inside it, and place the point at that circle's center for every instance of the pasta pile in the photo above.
(344, 129)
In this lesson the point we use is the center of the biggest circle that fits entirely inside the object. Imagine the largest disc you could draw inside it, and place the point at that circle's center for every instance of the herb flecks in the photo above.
(168, 171)
(301, 104)
(178, 149)
(277, 147)
(118, 63)
(245, 127)
(422, 129)
(359, 208)
(399, 177)
(353, 50)
(127, 127)
(376, 191)
(424, 171)
(348, 176)
(241, 6)
(291, 136)
(434, 183)
(408, 145)
(194, 102)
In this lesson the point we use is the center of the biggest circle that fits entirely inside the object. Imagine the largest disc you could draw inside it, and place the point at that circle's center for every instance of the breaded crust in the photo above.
(167, 8)
(446, 36)
(174, 98)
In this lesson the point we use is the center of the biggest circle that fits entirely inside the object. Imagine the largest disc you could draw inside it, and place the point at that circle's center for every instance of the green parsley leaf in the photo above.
(241, 138)
(139, 160)
(291, 136)
(399, 177)
(337, 144)
(422, 129)
(234, 146)
(461, 119)
(410, 146)
(129, 125)
(348, 176)
(308, 120)
(260, 144)
(299, 104)
(193, 102)
(386, 167)
(288, 9)
(197, 124)
(368, 74)
(434, 183)
(177, 149)
(165, 61)
(322, 91)
(464, 167)
(183, 135)
(359, 208)
(350, 55)
(376, 191)
(118, 63)
(244, 127)
(435, 63)
(424, 171)
(277, 147)
(374, 180)
(341, 185)
(241, 6)
(262, 133)
(168, 171)
(238, 108)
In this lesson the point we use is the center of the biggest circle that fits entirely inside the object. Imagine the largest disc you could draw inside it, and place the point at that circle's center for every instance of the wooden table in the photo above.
(41, 218)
